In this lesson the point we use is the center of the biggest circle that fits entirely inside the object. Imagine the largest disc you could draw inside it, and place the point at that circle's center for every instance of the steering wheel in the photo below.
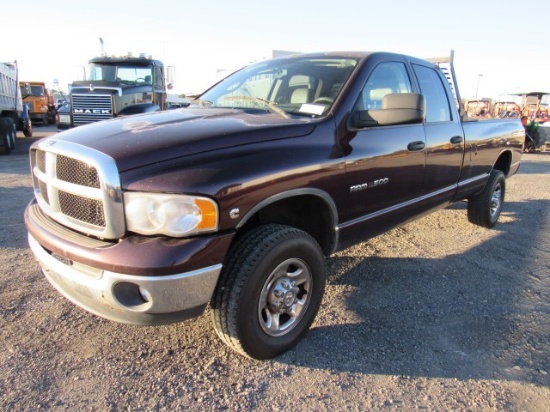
(323, 100)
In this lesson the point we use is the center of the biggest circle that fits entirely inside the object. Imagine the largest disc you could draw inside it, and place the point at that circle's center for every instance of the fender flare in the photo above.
(321, 194)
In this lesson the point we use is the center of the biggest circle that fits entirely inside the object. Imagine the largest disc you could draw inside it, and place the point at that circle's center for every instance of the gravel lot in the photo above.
(437, 315)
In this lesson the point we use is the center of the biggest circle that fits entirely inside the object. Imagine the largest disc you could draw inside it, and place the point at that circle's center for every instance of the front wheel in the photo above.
(485, 207)
(269, 291)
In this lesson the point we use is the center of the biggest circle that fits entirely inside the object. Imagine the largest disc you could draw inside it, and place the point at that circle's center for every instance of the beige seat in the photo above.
(299, 95)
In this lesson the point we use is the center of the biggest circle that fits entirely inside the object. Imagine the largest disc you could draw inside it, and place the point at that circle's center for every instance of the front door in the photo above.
(386, 165)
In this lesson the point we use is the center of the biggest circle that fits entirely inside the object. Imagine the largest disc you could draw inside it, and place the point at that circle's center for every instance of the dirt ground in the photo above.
(437, 315)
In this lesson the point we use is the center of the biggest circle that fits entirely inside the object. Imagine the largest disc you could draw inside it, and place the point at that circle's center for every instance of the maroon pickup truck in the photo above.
(235, 201)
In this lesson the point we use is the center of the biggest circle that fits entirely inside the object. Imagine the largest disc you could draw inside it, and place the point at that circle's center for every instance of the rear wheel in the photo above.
(269, 291)
(13, 135)
(485, 207)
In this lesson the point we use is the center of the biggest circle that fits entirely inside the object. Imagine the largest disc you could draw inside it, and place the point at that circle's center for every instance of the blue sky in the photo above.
(503, 43)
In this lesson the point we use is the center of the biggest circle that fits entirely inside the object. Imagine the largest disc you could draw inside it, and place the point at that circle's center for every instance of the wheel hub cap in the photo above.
(283, 295)
(496, 201)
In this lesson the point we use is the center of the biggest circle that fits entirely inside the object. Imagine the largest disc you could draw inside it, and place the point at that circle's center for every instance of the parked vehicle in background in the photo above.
(236, 200)
(506, 109)
(534, 106)
(478, 108)
(39, 100)
(13, 114)
(116, 86)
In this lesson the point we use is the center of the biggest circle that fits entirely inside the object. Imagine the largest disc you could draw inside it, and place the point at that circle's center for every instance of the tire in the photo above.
(13, 135)
(6, 131)
(27, 129)
(485, 207)
(269, 292)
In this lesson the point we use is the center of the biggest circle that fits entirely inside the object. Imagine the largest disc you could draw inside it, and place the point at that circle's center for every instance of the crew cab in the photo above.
(233, 202)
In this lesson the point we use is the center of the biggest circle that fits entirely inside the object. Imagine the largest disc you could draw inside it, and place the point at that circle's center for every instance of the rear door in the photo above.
(444, 134)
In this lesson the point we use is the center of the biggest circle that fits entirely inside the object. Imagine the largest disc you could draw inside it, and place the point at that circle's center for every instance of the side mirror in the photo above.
(397, 108)
(28, 90)
(170, 77)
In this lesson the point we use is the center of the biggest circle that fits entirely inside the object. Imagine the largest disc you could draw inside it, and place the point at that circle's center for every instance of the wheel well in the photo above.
(504, 162)
(309, 213)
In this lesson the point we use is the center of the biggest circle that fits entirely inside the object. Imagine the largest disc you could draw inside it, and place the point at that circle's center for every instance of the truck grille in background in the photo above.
(79, 194)
(88, 108)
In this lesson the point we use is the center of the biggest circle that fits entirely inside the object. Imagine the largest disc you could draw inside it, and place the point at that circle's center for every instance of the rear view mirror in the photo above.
(397, 108)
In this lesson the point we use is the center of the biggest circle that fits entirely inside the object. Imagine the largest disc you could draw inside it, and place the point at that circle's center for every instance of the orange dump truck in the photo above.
(39, 100)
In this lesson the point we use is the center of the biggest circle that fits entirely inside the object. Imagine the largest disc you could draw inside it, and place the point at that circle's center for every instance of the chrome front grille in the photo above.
(77, 172)
(78, 187)
(88, 108)
(82, 209)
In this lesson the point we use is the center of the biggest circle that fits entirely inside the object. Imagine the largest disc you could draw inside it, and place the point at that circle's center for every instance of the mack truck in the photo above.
(116, 86)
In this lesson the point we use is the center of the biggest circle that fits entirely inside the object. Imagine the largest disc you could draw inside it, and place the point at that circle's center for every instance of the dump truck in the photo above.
(40, 101)
(12, 112)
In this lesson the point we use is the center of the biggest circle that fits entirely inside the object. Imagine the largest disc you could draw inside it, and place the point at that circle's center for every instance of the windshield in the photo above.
(133, 75)
(295, 85)
(37, 91)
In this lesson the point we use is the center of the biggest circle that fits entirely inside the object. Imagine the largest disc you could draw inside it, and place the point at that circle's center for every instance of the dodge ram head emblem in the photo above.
(47, 143)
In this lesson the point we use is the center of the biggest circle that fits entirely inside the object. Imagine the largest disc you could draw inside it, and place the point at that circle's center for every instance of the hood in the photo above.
(106, 87)
(140, 140)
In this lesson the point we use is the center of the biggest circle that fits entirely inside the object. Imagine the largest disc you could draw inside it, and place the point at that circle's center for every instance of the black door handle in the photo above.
(415, 146)
(457, 139)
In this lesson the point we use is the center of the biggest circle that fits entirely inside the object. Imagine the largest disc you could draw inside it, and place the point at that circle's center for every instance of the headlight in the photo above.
(171, 215)
(64, 118)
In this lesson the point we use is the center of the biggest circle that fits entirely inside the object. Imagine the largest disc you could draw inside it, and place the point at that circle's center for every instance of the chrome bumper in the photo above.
(142, 300)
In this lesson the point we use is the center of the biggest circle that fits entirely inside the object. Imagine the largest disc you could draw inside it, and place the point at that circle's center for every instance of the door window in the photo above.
(437, 103)
(386, 78)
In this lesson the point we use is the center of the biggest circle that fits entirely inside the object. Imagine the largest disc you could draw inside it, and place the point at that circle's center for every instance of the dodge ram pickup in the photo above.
(233, 202)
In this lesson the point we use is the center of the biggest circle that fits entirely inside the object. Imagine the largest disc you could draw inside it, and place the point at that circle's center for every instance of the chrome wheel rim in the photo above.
(285, 297)
(496, 201)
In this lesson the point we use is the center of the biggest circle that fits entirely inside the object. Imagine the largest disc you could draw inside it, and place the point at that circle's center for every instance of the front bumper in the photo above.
(147, 281)
(142, 300)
